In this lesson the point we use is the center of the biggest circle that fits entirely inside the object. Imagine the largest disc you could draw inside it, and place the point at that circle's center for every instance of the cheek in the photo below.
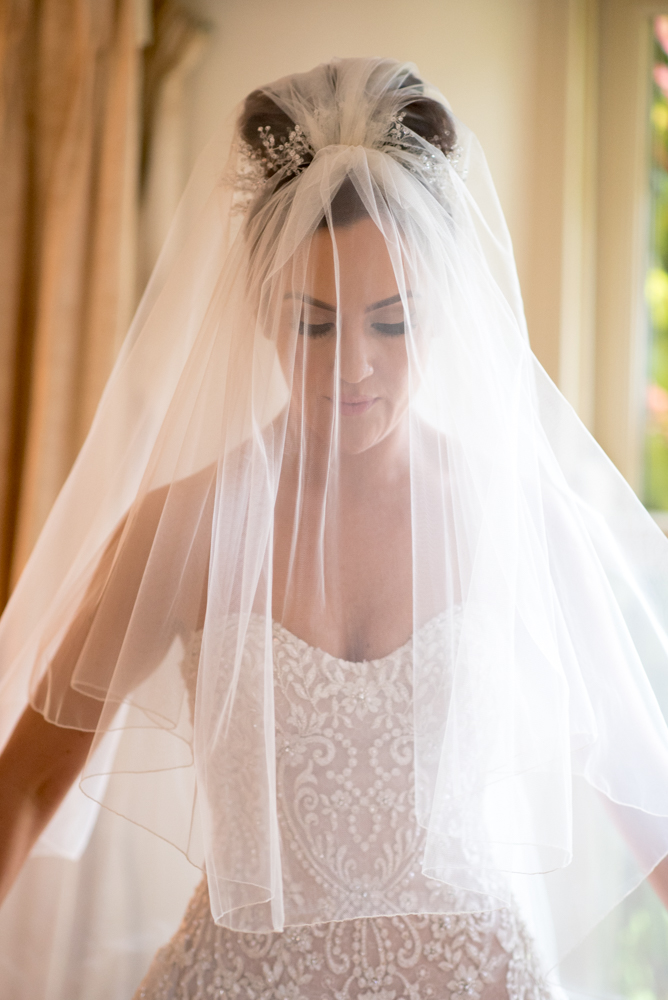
(316, 359)
(312, 369)
(394, 369)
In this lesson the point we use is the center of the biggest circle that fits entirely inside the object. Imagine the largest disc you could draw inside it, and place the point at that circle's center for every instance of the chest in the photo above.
(343, 582)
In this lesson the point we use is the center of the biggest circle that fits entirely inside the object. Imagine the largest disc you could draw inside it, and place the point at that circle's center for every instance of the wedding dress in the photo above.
(352, 845)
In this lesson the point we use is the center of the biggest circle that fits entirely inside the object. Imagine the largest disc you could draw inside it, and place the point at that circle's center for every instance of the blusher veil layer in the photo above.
(541, 747)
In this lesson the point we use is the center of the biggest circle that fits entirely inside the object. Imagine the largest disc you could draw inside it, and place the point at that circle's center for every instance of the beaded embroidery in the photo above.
(348, 829)
(459, 957)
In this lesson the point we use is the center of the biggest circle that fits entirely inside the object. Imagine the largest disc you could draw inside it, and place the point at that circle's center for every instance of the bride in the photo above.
(341, 574)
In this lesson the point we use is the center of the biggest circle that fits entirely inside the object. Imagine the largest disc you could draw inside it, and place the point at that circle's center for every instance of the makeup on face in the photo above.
(349, 361)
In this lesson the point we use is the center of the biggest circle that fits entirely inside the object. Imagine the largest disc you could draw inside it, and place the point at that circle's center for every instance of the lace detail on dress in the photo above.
(346, 785)
(435, 957)
(366, 924)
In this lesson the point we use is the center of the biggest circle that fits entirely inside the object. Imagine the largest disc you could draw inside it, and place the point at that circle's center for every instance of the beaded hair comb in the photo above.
(293, 154)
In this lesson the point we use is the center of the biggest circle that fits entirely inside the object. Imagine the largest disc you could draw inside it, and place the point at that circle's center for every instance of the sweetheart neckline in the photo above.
(279, 627)
(430, 623)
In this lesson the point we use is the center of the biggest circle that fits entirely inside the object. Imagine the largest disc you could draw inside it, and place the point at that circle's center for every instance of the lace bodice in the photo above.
(350, 846)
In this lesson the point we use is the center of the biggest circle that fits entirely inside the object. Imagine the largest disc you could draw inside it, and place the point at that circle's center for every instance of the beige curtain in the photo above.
(69, 118)
(179, 42)
(17, 21)
(73, 135)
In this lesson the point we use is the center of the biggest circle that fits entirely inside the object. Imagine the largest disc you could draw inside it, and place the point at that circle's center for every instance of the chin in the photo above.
(357, 444)
(356, 441)
(349, 440)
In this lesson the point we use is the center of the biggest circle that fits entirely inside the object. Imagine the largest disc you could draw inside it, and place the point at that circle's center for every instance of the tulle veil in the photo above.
(541, 747)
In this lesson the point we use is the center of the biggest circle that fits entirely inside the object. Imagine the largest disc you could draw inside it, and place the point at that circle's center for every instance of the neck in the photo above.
(378, 467)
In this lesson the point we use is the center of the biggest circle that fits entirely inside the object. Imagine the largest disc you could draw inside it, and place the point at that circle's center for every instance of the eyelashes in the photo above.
(316, 330)
(390, 329)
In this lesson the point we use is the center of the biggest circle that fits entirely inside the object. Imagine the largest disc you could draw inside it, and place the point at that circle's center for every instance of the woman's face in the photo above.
(351, 358)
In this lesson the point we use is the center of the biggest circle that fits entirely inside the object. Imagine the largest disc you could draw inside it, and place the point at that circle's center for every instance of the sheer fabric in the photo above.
(327, 415)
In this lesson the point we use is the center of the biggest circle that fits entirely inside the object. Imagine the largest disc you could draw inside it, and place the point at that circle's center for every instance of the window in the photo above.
(655, 477)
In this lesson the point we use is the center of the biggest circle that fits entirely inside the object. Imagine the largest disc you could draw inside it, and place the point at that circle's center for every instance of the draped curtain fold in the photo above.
(17, 56)
(73, 138)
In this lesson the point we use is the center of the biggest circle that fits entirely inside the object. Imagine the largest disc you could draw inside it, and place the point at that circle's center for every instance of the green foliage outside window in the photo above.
(627, 955)
(656, 283)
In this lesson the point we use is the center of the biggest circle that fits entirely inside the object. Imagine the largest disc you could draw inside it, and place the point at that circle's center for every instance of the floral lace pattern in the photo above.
(346, 787)
(459, 956)
(371, 926)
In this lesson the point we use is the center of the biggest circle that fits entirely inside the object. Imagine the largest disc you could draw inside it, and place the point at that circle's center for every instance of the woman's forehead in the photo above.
(352, 263)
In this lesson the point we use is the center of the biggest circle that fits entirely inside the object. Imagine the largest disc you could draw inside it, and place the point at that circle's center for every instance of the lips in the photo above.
(354, 405)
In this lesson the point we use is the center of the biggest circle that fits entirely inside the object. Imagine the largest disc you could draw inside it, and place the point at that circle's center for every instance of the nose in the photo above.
(354, 354)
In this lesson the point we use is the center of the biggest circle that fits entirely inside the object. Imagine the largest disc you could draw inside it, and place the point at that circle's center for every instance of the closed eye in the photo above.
(389, 329)
(315, 329)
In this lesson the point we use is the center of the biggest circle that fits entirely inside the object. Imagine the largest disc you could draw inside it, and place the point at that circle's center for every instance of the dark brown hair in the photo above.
(425, 117)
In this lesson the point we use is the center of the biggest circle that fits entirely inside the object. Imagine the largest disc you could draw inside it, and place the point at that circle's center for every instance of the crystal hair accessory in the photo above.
(287, 157)
(292, 155)
(426, 159)
(255, 167)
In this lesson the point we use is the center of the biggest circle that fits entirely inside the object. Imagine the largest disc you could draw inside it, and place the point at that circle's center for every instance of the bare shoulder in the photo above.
(188, 496)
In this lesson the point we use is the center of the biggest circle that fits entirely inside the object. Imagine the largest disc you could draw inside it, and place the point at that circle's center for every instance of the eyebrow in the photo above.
(325, 305)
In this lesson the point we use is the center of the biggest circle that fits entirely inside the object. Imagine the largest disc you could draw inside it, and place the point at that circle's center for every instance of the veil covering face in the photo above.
(327, 415)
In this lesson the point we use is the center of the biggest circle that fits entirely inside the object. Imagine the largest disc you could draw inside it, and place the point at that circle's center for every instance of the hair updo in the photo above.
(424, 116)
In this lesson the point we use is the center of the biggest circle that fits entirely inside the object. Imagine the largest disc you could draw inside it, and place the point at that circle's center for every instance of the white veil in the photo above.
(217, 489)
